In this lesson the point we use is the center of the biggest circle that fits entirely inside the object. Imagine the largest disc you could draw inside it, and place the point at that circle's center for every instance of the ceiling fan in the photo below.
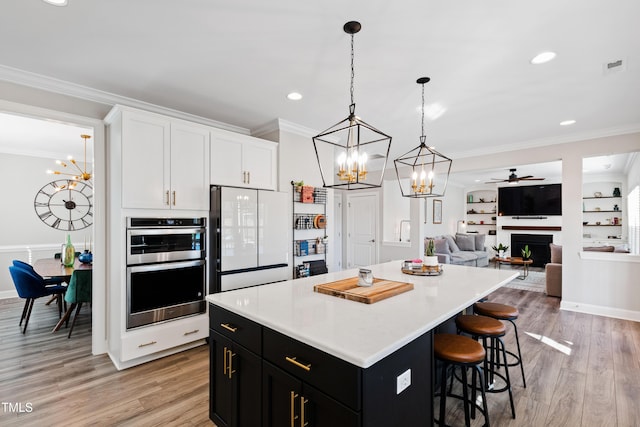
(513, 178)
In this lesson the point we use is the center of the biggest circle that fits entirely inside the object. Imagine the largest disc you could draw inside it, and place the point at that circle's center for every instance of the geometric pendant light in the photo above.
(352, 154)
(423, 172)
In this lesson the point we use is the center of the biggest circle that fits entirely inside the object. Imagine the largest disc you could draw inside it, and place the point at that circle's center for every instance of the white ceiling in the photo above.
(235, 62)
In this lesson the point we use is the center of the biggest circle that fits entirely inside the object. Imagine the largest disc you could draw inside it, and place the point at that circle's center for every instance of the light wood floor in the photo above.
(581, 370)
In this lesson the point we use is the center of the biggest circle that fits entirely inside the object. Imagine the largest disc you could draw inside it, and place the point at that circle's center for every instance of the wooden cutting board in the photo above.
(349, 289)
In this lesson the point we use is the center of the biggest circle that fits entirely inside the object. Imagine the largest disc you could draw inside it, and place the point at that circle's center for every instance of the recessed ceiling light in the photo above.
(295, 96)
(567, 123)
(56, 2)
(543, 57)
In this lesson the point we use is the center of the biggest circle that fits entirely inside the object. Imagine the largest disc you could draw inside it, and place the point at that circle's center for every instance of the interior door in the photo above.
(362, 218)
(239, 229)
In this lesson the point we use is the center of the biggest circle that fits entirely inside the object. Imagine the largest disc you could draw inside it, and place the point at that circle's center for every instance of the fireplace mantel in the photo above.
(532, 227)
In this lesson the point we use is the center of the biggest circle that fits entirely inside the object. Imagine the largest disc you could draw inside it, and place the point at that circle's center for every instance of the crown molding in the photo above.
(51, 84)
(285, 126)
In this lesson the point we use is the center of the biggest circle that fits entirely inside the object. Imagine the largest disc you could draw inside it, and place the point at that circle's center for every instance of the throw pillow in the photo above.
(479, 239)
(466, 242)
(442, 247)
(452, 244)
(599, 249)
(556, 253)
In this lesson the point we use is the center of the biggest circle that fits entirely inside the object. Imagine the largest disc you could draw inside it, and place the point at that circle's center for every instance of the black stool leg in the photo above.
(465, 396)
(506, 372)
(515, 328)
(484, 397)
(443, 393)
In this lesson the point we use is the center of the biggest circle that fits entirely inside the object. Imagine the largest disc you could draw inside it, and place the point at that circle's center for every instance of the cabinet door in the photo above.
(145, 161)
(221, 399)
(189, 167)
(226, 161)
(281, 395)
(286, 401)
(259, 160)
(235, 379)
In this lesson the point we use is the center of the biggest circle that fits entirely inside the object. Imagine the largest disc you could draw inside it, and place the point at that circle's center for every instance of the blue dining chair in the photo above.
(78, 292)
(31, 286)
(47, 281)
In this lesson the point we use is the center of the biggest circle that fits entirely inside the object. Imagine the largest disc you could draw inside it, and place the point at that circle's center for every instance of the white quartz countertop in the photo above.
(359, 333)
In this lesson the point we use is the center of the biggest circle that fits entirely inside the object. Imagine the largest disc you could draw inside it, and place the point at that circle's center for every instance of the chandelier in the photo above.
(352, 145)
(80, 173)
(423, 171)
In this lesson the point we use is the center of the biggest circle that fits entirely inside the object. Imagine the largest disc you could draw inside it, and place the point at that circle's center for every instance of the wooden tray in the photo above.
(349, 289)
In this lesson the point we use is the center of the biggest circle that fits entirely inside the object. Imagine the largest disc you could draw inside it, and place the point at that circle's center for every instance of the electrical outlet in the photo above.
(403, 381)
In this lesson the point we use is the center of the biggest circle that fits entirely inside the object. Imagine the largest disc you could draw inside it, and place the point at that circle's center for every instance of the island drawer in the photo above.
(237, 328)
(333, 376)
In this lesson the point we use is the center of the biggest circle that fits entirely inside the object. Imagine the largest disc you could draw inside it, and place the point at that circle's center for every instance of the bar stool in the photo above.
(508, 313)
(463, 352)
(491, 331)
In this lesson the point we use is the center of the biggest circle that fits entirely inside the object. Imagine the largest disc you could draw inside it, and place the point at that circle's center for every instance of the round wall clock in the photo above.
(65, 204)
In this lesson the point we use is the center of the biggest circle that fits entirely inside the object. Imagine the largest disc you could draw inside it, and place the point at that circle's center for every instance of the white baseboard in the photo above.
(600, 310)
(8, 294)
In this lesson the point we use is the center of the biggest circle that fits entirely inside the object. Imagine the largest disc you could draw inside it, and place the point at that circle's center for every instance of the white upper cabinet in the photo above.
(145, 160)
(242, 161)
(165, 163)
(189, 167)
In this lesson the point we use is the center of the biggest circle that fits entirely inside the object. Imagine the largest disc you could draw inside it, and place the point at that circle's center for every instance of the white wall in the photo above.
(24, 235)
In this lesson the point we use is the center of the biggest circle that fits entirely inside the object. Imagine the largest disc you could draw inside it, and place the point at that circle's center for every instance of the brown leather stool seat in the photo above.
(508, 313)
(491, 331)
(463, 352)
(496, 310)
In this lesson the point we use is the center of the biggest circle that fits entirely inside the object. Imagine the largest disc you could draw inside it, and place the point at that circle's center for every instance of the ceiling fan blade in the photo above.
(496, 181)
(532, 179)
(525, 177)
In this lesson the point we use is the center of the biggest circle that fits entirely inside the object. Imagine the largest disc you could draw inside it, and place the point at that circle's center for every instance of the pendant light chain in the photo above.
(353, 74)
(423, 109)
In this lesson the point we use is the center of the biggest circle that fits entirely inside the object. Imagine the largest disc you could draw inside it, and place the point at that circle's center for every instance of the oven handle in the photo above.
(156, 231)
(165, 266)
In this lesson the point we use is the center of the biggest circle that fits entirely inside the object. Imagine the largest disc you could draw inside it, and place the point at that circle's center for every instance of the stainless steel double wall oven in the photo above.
(166, 269)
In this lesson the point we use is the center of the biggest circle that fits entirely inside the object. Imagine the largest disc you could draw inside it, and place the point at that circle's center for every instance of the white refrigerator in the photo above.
(249, 242)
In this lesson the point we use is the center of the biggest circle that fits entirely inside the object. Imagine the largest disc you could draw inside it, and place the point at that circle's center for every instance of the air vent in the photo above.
(614, 66)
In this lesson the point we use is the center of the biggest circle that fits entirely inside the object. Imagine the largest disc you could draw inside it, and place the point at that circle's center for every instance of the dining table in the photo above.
(53, 268)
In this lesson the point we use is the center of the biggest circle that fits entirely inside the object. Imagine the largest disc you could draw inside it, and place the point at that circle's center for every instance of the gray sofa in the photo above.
(461, 249)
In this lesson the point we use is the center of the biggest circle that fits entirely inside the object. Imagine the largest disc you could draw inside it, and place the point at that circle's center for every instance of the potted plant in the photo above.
(526, 252)
(500, 249)
(430, 257)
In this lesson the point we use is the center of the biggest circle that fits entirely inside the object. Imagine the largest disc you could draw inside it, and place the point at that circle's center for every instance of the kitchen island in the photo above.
(293, 356)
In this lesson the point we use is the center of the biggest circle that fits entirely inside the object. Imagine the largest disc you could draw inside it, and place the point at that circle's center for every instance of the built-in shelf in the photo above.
(532, 227)
(601, 211)
(602, 225)
(603, 197)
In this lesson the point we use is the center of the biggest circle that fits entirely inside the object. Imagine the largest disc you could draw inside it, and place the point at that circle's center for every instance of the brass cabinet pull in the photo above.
(294, 417)
(195, 331)
(303, 402)
(224, 361)
(298, 364)
(174, 197)
(230, 365)
(228, 327)
(147, 344)
(167, 197)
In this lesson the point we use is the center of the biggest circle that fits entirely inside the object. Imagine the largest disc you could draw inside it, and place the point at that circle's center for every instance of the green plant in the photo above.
(430, 248)
(526, 252)
(500, 247)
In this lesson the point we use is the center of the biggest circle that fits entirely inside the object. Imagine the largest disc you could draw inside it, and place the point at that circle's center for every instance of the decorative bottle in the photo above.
(69, 253)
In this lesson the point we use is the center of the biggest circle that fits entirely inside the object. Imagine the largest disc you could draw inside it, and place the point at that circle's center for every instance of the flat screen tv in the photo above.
(530, 200)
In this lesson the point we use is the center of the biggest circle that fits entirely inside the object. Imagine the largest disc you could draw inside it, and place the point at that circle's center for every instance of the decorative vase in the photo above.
(500, 254)
(616, 192)
(68, 255)
(430, 261)
(86, 257)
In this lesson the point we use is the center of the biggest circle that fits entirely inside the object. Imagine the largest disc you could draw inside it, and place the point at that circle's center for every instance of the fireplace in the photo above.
(538, 244)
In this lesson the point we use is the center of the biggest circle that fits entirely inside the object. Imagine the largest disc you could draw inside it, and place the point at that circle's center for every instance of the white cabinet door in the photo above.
(189, 167)
(145, 161)
(226, 161)
(238, 229)
(242, 161)
(259, 160)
